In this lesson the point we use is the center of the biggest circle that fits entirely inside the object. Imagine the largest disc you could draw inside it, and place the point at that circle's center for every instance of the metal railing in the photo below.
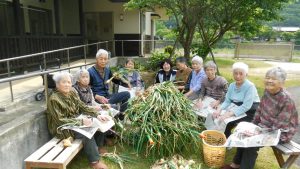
(154, 45)
(44, 71)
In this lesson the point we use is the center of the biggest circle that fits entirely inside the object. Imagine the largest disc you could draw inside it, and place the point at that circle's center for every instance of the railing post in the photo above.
(84, 51)
(46, 87)
(68, 57)
(122, 48)
(10, 83)
(106, 45)
(44, 60)
(97, 46)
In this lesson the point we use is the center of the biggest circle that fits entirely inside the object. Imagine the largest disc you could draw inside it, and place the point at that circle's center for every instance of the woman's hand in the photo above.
(226, 115)
(180, 87)
(97, 108)
(101, 99)
(216, 114)
(215, 104)
(87, 122)
(103, 117)
(199, 104)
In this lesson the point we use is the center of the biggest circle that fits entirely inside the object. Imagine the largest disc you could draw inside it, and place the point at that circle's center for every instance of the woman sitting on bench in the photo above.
(276, 111)
(63, 107)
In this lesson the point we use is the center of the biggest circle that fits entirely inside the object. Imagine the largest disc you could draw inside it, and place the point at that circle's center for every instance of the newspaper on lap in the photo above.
(250, 135)
(110, 112)
(89, 132)
(206, 108)
(217, 124)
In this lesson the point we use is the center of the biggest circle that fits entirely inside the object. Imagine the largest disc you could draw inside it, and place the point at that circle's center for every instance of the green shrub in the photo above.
(155, 59)
(169, 49)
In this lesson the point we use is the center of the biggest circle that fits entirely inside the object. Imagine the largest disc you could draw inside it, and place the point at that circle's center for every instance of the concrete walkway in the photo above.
(295, 93)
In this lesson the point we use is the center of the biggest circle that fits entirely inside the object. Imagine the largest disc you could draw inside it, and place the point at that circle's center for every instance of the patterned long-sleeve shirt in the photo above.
(215, 88)
(62, 109)
(278, 112)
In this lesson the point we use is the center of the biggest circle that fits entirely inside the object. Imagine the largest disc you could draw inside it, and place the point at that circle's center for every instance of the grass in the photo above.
(266, 159)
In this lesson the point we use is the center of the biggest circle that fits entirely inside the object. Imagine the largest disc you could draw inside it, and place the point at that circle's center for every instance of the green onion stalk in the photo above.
(162, 122)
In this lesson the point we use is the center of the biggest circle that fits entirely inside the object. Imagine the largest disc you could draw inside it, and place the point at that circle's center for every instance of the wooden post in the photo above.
(81, 19)
(57, 17)
(18, 24)
(19, 28)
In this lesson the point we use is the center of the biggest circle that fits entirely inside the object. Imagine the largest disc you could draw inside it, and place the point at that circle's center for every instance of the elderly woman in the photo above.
(132, 76)
(213, 86)
(83, 89)
(276, 110)
(195, 79)
(183, 72)
(166, 73)
(63, 107)
(243, 94)
(99, 74)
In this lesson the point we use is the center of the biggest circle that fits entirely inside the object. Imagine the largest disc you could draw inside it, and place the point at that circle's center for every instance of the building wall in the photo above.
(130, 23)
(69, 20)
(48, 4)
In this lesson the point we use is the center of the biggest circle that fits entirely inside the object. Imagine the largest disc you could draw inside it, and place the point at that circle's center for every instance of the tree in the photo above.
(185, 13)
(213, 18)
(288, 36)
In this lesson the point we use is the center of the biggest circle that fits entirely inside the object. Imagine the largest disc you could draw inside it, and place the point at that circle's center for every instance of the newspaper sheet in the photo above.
(206, 108)
(250, 135)
(110, 112)
(217, 124)
(132, 91)
(96, 126)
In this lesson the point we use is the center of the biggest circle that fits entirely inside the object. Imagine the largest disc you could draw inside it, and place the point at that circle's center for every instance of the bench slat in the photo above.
(53, 153)
(67, 155)
(294, 144)
(289, 148)
(283, 149)
(294, 150)
(41, 151)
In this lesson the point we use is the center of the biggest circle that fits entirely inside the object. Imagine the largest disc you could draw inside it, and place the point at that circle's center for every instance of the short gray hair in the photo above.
(240, 65)
(79, 73)
(210, 64)
(57, 77)
(278, 72)
(101, 52)
(198, 59)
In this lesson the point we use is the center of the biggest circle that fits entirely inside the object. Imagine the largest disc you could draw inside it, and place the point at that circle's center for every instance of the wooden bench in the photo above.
(291, 149)
(53, 154)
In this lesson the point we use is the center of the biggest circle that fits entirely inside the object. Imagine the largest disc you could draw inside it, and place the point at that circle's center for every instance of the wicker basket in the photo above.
(213, 149)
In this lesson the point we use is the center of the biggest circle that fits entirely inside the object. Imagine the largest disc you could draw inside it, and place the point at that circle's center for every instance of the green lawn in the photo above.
(266, 158)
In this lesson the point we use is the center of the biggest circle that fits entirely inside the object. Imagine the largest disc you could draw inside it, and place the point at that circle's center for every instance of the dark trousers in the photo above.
(250, 115)
(90, 146)
(246, 157)
(122, 98)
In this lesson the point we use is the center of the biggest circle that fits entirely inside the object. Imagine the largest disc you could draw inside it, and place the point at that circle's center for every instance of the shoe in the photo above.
(228, 166)
(98, 165)
(102, 150)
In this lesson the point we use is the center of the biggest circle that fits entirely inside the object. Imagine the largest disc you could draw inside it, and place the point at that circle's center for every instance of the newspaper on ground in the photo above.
(206, 107)
(132, 91)
(97, 125)
(250, 135)
(220, 125)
